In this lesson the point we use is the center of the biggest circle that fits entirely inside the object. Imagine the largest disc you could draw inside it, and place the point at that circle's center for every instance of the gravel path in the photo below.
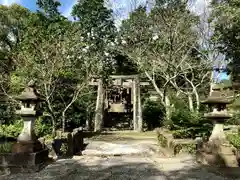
(121, 168)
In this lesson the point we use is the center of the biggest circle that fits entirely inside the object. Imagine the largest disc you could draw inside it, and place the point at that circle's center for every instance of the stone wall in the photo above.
(65, 144)
(175, 146)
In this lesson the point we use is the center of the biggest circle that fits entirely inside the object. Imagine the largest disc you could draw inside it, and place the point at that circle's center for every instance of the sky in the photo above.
(121, 9)
(65, 8)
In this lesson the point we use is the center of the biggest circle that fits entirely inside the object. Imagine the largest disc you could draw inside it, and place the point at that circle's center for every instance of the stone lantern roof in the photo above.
(219, 115)
(30, 93)
(217, 98)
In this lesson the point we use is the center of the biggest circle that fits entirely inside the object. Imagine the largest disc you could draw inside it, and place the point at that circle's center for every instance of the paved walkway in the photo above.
(121, 168)
(129, 160)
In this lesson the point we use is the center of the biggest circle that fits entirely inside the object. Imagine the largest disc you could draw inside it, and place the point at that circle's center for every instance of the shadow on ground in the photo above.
(119, 168)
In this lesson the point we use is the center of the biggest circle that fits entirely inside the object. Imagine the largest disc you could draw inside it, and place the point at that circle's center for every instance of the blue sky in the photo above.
(65, 9)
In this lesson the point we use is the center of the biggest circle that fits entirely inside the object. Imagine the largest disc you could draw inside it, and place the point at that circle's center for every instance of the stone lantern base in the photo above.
(23, 162)
(21, 147)
(26, 157)
(217, 153)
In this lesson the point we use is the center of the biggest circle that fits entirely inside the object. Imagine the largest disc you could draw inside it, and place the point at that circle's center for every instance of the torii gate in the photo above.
(129, 81)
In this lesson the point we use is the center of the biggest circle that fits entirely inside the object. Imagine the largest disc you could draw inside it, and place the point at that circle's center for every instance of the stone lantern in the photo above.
(217, 151)
(30, 111)
(28, 154)
(218, 115)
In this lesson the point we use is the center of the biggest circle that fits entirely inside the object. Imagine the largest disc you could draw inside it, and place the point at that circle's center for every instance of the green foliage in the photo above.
(189, 148)
(234, 139)
(51, 52)
(11, 130)
(226, 18)
(153, 114)
(63, 56)
(42, 128)
(64, 148)
(187, 124)
(50, 7)
(7, 113)
(6, 147)
(235, 120)
(162, 140)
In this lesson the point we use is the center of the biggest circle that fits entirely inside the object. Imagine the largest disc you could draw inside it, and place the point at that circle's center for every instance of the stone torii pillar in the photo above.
(137, 106)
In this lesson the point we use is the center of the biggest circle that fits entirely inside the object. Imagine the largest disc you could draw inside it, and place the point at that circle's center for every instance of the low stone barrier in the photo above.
(65, 143)
(175, 146)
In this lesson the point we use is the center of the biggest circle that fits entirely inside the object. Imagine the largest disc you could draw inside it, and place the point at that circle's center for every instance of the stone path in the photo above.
(121, 168)
(119, 148)
(130, 160)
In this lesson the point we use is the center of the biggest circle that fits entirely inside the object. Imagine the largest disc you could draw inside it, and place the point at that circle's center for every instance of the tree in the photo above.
(98, 30)
(11, 24)
(11, 19)
(164, 46)
(49, 7)
(226, 19)
(51, 52)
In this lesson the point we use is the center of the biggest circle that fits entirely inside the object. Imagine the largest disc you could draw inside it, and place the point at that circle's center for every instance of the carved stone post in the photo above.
(98, 123)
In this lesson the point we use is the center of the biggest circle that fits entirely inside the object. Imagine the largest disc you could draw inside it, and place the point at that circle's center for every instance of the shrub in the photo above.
(7, 113)
(186, 124)
(235, 120)
(11, 130)
(6, 147)
(153, 114)
(162, 140)
(43, 127)
(234, 139)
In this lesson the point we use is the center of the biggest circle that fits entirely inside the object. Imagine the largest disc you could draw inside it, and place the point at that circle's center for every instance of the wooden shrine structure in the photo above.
(122, 95)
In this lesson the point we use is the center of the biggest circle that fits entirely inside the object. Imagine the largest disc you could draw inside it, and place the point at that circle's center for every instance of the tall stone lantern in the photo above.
(30, 111)
(218, 115)
(218, 150)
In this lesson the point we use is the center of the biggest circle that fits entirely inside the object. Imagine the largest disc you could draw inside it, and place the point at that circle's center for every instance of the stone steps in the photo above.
(101, 148)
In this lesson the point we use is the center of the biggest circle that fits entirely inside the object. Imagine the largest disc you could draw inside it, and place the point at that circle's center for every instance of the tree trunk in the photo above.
(190, 102)
(211, 83)
(88, 123)
(53, 126)
(88, 120)
(53, 118)
(64, 113)
(161, 94)
(63, 121)
(168, 108)
(197, 100)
